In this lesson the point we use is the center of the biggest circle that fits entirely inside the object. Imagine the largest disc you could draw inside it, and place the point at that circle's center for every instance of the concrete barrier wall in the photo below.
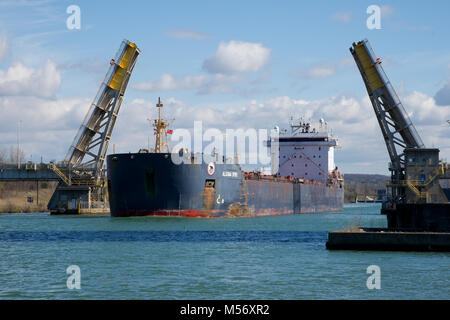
(386, 240)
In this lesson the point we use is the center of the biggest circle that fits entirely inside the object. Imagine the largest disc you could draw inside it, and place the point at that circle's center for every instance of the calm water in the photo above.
(281, 257)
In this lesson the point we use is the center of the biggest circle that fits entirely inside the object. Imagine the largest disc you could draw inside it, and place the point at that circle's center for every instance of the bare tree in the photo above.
(3, 155)
(16, 155)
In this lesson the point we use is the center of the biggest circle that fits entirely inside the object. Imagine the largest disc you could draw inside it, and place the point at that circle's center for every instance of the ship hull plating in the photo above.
(142, 184)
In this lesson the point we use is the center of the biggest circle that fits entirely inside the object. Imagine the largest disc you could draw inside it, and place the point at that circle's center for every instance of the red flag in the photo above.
(169, 131)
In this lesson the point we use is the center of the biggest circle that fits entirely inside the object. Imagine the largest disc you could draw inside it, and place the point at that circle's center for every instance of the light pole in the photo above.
(18, 144)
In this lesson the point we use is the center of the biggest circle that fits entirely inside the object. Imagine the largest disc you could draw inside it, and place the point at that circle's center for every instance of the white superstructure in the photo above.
(305, 152)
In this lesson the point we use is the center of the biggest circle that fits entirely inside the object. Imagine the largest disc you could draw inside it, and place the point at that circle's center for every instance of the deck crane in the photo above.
(415, 170)
(82, 171)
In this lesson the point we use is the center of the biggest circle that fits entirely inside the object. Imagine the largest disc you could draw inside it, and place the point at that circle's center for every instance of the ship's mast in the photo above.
(160, 131)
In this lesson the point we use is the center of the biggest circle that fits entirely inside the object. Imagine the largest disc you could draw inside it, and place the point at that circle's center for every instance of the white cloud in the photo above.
(344, 17)
(442, 97)
(237, 56)
(3, 46)
(24, 81)
(23, 3)
(204, 84)
(225, 70)
(352, 120)
(424, 109)
(94, 65)
(188, 34)
(359, 135)
(222, 83)
(324, 70)
(386, 11)
(47, 125)
(317, 71)
(170, 82)
(430, 120)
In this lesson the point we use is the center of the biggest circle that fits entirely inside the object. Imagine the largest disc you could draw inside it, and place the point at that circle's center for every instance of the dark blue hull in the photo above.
(151, 184)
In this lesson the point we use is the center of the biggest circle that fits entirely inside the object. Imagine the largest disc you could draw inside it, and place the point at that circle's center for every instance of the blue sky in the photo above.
(300, 62)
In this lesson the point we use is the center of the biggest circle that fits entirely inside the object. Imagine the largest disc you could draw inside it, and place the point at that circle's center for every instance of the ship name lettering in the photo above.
(229, 174)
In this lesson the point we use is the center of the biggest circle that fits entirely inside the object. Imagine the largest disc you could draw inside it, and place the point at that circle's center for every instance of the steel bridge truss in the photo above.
(396, 126)
(87, 152)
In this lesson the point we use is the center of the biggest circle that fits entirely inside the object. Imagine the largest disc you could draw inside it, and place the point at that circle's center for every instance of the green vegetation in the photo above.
(362, 185)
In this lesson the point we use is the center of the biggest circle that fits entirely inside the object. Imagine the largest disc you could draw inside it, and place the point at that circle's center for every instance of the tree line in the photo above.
(12, 155)
(362, 185)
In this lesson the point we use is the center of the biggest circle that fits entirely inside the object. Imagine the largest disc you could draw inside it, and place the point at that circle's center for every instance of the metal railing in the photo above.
(92, 205)
(412, 185)
(59, 173)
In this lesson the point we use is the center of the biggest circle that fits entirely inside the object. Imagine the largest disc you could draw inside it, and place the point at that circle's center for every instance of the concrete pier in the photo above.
(388, 240)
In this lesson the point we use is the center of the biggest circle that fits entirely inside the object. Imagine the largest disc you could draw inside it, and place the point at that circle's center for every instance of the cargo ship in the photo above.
(303, 179)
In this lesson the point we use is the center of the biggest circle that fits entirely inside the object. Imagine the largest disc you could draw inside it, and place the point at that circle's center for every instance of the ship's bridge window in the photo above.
(306, 164)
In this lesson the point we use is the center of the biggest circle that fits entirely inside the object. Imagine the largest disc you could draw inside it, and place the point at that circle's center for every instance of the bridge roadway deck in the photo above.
(27, 171)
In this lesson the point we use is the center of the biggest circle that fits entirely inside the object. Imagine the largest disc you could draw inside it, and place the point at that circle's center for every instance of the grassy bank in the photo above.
(14, 196)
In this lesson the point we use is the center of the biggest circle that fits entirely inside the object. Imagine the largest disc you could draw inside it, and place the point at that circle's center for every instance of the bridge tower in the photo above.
(82, 171)
(415, 170)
